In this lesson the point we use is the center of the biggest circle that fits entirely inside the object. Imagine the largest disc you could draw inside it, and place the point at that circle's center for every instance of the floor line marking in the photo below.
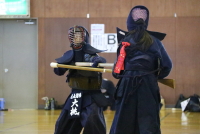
(16, 127)
(165, 116)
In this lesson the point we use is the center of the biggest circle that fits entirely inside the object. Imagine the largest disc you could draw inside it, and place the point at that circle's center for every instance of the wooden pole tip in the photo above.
(54, 65)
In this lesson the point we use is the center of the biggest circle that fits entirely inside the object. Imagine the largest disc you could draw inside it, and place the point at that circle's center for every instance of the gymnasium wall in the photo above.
(55, 17)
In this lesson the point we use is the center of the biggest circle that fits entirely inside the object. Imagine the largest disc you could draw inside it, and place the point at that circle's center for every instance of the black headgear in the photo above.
(136, 13)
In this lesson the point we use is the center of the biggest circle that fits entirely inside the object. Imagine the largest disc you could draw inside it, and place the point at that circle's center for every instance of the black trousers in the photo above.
(91, 119)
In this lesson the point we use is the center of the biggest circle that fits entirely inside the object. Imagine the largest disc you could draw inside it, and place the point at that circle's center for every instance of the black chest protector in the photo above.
(79, 79)
(84, 80)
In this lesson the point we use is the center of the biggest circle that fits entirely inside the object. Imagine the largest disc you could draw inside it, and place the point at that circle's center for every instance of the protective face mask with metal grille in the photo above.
(76, 37)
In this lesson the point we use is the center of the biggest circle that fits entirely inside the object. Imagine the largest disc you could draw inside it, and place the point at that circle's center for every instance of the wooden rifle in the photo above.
(84, 66)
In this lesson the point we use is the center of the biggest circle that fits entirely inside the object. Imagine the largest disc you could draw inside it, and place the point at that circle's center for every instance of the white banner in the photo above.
(107, 41)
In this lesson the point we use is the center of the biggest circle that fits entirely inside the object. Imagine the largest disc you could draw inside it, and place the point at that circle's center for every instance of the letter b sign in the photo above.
(111, 39)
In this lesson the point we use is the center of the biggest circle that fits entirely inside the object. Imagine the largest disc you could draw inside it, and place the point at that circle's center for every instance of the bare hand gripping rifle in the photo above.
(82, 66)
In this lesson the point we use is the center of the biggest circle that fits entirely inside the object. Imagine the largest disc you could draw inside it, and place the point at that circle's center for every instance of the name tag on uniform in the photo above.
(75, 101)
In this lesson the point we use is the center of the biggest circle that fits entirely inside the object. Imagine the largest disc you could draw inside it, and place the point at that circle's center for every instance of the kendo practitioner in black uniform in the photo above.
(144, 62)
(83, 107)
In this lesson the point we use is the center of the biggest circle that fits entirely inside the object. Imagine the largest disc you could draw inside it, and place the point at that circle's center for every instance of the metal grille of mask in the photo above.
(72, 31)
(139, 13)
(71, 35)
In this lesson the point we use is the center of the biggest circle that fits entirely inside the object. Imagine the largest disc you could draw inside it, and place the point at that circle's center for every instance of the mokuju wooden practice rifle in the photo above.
(84, 66)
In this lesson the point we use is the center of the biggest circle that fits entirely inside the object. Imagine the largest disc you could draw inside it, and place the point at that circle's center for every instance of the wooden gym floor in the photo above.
(173, 121)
